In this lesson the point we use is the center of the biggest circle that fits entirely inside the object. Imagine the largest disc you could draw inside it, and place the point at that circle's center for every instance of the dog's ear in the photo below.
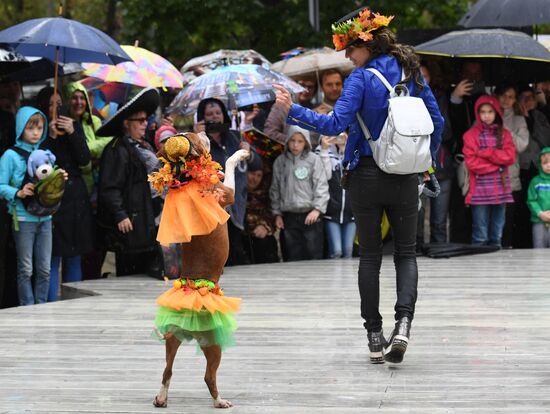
(204, 140)
(30, 168)
(51, 157)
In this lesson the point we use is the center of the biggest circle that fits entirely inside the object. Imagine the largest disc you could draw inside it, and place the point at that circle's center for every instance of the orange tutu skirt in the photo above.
(189, 212)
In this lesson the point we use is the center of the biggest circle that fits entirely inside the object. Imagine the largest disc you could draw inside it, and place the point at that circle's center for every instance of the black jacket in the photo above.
(73, 223)
(124, 192)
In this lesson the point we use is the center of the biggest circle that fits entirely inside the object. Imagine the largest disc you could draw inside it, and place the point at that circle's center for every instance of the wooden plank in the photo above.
(478, 344)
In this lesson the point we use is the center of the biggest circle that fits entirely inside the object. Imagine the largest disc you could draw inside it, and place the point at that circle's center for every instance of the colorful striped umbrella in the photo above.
(147, 70)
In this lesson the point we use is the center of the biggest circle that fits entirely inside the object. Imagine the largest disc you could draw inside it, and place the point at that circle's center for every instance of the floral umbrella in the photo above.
(147, 70)
(237, 85)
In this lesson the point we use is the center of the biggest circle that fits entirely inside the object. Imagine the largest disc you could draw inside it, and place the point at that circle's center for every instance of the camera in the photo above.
(211, 126)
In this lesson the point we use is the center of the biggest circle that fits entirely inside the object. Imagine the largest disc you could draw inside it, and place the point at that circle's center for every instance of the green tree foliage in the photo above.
(182, 29)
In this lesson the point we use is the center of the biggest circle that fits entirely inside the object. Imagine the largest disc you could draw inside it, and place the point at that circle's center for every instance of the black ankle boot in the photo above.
(399, 340)
(377, 342)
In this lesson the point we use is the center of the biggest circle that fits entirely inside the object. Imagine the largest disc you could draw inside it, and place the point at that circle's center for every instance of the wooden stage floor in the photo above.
(479, 344)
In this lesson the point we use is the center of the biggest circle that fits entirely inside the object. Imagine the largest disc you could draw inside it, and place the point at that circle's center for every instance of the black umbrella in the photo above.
(11, 61)
(505, 54)
(507, 13)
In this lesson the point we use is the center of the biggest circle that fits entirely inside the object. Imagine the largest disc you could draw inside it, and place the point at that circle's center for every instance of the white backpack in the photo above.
(403, 146)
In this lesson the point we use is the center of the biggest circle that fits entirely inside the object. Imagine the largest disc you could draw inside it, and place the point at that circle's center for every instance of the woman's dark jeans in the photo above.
(371, 192)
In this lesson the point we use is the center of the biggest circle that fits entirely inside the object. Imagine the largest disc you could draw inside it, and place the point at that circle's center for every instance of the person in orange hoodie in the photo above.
(488, 152)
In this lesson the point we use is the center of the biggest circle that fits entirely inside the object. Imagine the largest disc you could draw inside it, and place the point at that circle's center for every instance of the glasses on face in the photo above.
(140, 120)
(309, 86)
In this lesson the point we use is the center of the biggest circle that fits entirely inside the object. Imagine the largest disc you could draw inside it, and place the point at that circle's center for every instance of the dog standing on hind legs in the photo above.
(194, 216)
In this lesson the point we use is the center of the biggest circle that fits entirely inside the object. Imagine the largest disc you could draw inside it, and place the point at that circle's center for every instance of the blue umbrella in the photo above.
(63, 41)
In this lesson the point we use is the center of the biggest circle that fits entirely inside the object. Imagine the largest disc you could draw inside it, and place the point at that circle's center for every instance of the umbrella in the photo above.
(238, 85)
(314, 61)
(62, 40)
(39, 69)
(11, 61)
(504, 54)
(224, 57)
(147, 70)
(507, 13)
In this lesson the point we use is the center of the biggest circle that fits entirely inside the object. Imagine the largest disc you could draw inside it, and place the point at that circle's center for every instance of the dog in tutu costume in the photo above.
(193, 215)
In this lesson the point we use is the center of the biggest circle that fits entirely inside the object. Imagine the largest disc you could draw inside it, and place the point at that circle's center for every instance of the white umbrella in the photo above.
(225, 57)
(313, 62)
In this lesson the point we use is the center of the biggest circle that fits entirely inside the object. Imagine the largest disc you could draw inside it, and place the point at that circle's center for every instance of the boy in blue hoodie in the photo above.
(32, 234)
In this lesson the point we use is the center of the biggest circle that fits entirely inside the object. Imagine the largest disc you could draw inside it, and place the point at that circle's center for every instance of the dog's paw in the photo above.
(219, 403)
(160, 403)
(237, 157)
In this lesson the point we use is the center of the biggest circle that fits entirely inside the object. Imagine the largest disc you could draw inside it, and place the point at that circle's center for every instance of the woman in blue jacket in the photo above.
(370, 44)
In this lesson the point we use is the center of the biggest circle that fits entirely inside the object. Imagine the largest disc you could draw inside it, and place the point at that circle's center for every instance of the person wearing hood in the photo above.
(299, 196)
(213, 119)
(32, 234)
(80, 110)
(370, 44)
(538, 200)
(488, 152)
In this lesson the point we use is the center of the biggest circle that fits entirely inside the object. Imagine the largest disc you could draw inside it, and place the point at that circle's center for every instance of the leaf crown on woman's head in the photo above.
(359, 27)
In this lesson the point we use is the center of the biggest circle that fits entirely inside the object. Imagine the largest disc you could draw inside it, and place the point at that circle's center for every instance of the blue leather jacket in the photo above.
(365, 93)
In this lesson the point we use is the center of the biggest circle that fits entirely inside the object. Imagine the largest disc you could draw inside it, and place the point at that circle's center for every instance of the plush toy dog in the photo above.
(196, 307)
(40, 164)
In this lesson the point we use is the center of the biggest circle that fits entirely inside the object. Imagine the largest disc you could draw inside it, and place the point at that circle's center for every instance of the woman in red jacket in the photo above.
(488, 151)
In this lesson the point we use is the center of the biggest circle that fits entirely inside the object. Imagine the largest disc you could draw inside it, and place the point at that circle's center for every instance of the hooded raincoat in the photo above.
(538, 195)
(488, 165)
(13, 166)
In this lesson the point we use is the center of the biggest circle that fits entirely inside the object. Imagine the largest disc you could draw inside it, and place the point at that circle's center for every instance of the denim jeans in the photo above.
(488, 223)
(541, 235)
(72, 272)
(33, 241)
(372, 192)
(340, 238)
(439, 210)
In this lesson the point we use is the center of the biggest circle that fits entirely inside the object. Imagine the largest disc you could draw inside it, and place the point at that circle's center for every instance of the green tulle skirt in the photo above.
(206, 328)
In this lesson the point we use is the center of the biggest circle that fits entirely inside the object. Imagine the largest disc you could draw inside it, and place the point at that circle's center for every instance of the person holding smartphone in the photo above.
(73, 222)
(213, 119)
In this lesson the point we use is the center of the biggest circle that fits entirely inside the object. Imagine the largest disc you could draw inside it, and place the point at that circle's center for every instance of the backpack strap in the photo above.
(393, 90)
(382, 79)
(21, 151)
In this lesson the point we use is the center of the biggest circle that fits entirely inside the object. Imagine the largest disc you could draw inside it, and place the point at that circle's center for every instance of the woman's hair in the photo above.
(502, 88)
(384, 43)
(43, 99)
(212, 101)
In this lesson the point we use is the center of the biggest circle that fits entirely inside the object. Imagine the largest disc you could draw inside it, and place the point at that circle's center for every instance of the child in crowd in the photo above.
(32, 234)
(299, 195)
(538, 200)
(488, 151)
(338, 220)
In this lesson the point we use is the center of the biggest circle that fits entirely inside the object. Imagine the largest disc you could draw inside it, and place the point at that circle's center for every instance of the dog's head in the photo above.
(40, 163)
(187, 145)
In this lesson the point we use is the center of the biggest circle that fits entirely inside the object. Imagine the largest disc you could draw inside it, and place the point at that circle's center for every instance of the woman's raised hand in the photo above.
(283, 98)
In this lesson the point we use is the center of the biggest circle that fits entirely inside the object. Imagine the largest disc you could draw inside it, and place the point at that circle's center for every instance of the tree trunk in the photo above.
(113, 23)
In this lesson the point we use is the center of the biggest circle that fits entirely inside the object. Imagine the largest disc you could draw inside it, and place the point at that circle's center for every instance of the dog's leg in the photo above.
(213, 356)
(230, 165)
(172, 345)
